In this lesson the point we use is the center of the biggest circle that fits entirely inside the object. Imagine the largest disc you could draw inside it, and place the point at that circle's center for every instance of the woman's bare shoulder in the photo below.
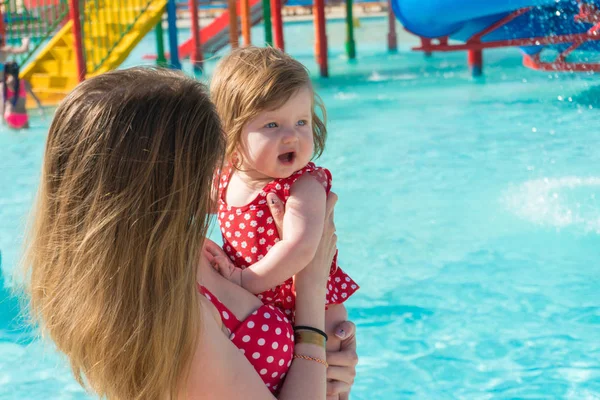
(219, 370)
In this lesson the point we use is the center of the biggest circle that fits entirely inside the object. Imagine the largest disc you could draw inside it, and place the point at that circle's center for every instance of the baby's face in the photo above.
(279, 142)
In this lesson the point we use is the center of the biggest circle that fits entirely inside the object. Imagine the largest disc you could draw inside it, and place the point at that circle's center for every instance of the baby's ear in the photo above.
(236, 159)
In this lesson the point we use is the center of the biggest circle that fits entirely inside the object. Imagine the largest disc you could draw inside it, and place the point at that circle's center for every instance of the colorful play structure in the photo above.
(76, 39)
(557, 27)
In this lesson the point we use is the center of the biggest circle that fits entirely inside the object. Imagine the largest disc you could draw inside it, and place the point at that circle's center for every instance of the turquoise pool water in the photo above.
(469, 213)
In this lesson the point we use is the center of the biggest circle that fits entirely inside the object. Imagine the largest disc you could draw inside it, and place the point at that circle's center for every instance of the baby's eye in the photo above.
(271, 125)
(302, 122)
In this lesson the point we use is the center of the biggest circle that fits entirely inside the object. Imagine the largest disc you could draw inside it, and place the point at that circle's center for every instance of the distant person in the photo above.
(14, 97)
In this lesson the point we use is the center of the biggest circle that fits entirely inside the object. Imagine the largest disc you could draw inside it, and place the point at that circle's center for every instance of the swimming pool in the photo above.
(469, 213)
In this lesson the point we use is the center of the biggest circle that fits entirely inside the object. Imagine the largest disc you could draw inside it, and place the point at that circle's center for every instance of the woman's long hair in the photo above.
(121, 214)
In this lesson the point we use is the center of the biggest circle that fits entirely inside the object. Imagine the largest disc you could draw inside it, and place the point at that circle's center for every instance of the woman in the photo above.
(14, 97)
(116, 262)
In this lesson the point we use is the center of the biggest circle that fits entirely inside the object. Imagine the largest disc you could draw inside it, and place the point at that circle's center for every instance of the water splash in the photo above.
(558, 202)
(346, 96)
(378, 77)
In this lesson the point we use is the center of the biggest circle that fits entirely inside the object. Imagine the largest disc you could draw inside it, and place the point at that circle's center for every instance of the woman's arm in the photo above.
(342, 364)
(310, 285)
(302, 228)
(17, 50)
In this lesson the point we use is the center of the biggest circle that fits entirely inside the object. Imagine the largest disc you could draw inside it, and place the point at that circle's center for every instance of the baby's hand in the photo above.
(220, 262)
(228, 270)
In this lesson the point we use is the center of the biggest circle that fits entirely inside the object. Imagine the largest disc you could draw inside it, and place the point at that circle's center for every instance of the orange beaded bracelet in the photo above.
(303, 357)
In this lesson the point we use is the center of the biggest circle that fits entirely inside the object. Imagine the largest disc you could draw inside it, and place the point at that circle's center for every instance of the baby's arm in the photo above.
(302, 227)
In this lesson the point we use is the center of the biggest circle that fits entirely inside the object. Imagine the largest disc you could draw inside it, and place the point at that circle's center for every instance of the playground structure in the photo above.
(76, 39)
(536, 26)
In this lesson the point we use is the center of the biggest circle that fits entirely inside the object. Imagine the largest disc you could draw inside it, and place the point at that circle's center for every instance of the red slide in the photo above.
(215, 35)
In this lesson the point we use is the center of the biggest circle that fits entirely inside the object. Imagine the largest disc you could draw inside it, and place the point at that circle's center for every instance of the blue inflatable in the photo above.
(461, 19)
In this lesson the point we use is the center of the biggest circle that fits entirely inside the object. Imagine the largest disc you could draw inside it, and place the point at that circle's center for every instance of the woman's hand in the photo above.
(342, 363)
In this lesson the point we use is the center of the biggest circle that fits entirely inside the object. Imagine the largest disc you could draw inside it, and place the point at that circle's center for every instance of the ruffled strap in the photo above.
(283, 186)
(221, 180)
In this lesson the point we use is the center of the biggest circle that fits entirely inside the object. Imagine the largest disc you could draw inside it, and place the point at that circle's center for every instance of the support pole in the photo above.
(321, 37)
(392, 39)
(172, 18)
(425, 42)
(350, 45)
(2, 29)
(161, 60)
(196, 57)
(267, 22)
(75, 16)
(277, 24)
(246, 23)
(475, 59)
(233, 24)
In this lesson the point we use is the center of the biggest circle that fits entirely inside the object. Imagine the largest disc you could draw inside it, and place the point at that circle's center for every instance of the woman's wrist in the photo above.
(310, 309)
(310, 349)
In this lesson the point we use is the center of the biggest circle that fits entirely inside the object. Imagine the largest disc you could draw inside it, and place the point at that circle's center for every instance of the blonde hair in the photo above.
(251, 80)
(122, 211)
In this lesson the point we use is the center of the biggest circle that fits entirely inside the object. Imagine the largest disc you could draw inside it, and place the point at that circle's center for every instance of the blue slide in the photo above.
(461, 19)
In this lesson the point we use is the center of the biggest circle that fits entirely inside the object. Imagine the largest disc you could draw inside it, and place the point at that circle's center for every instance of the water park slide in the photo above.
(461, 19)
(215, 35)
(53, 73)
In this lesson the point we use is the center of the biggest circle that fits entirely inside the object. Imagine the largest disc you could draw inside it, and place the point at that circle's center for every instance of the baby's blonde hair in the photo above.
(251, 80)
(121, 214)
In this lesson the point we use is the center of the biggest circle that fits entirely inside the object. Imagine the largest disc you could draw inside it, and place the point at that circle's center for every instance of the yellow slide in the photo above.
(111, 29)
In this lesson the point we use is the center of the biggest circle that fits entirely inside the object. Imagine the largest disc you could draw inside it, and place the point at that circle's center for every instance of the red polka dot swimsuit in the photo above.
(249, 233)
(265, 337)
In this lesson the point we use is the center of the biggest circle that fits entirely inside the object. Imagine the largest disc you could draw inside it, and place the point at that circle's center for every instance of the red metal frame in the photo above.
(2, 29)
(321, 53)
(75, 16)
(246, 21)
(277, 24)
(233, 24)
(392, 38)
(587, 13)
(196, 58)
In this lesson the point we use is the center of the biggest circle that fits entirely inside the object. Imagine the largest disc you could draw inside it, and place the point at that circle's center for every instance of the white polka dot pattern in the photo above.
(270, 354)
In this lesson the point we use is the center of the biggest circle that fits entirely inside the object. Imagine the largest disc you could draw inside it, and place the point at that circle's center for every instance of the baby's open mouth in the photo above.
(287, 158)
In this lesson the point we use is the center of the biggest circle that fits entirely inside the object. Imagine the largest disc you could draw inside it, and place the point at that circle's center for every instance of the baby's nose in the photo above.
(290, 137)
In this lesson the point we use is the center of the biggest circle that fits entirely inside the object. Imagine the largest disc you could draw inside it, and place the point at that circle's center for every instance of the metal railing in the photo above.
(104, 24)
(37, 21)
